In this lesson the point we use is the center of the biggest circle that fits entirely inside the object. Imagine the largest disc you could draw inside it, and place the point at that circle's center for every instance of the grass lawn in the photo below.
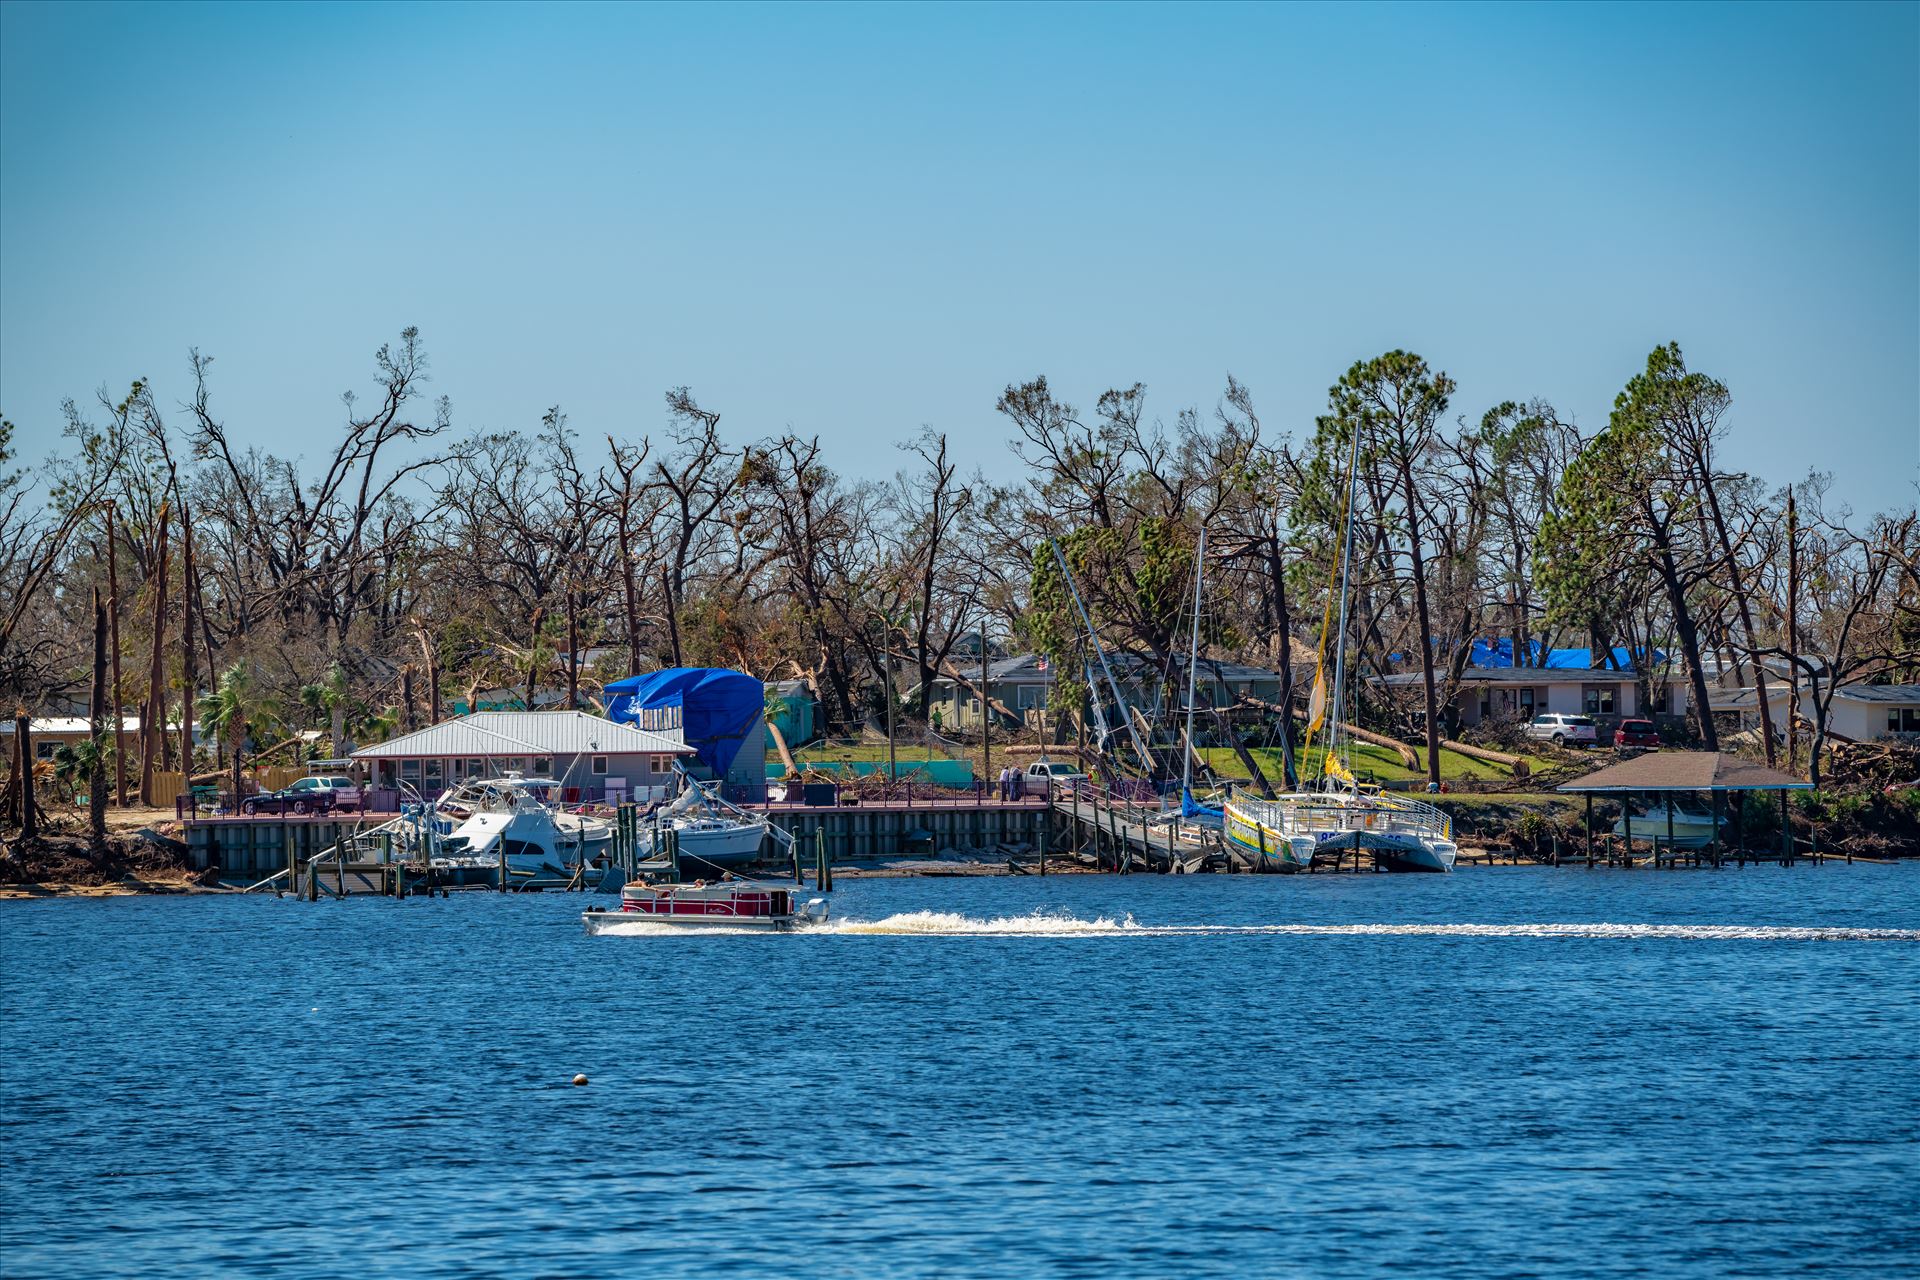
(1370, 764)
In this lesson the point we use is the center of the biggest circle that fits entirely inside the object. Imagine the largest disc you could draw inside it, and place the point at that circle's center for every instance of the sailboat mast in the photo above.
(1336, 736)
(1193, 661)
(1119, 698)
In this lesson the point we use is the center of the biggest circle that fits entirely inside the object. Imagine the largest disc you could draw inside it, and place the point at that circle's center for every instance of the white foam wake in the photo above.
(953, 925)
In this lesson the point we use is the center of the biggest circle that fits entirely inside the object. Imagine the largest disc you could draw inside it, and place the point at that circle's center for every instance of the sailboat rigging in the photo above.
(1284, 833)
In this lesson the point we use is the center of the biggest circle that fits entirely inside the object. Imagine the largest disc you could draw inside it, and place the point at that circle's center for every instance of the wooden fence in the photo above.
(169, 787)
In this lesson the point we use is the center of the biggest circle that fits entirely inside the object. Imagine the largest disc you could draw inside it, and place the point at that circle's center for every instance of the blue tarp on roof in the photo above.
(718, 708)
(1499, 653)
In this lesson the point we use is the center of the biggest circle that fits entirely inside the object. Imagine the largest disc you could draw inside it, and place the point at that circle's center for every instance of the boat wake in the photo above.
(947, 924)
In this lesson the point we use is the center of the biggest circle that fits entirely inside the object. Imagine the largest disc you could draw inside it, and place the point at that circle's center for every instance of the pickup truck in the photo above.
(1042, 776)
(308, 795)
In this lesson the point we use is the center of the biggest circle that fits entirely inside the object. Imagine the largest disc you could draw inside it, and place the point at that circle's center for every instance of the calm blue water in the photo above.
(245, 1086)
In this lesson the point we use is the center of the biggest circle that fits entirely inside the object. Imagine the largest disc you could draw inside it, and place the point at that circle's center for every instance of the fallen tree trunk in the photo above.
(1407, 754)
(780, 744)
(1252, 766)
(1517, 764)
(954, 674)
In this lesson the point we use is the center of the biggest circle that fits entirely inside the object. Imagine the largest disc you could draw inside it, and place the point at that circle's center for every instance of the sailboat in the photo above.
(1192, 810)
(1284, 833)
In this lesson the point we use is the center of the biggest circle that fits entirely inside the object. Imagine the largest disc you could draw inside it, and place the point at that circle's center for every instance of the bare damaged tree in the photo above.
(35, 541)
(696, 480)
(930, 507)
(1850, 629)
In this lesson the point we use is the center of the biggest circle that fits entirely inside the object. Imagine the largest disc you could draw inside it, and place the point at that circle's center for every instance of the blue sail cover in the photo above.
(1198, 813)
(714, 707)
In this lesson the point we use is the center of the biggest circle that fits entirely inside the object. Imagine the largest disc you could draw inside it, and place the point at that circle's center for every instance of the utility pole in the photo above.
(986, 737)
(886, 640)
(1793, 632)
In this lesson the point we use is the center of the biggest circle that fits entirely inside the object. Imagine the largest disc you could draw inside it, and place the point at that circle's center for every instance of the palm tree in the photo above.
(327, 701)
(74, 763)
(229, 711)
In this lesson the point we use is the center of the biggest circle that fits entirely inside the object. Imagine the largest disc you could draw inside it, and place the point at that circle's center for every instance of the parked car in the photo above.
(1042, 777)
(1636, 735)
(308, 795)
(1562, 729)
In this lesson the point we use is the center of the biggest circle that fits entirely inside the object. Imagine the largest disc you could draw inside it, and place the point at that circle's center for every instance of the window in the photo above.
(435, 773)
(476, 768)
(599, 766)
(1486, 704)
(543, 765)
(659, 764)
(45, 750)
(1597, 699)
(1910, 720)
(410, 771)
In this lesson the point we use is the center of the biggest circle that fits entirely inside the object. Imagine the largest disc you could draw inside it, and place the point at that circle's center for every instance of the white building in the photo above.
(592, 758)
(1864, 712)
(1520, 693)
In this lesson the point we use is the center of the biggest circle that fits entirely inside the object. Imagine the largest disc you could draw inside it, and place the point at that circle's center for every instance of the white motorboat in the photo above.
(483, 821)
(1692, 828)
(728, 903)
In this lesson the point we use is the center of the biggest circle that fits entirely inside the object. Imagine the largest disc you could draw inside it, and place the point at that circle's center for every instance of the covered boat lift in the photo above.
(1715, 774)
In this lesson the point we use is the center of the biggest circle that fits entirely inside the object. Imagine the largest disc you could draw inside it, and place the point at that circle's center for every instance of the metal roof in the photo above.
(524, 733)
(1896, 693)
(1687, 771)
(80, 724)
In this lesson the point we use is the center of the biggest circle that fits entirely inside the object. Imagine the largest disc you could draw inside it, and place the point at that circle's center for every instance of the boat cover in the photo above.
(1194, 811)
(718, 708)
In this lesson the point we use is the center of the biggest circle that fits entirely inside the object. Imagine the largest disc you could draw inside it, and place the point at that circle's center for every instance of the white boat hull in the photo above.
(1286, 833)
(1690, 830)
(727, 846)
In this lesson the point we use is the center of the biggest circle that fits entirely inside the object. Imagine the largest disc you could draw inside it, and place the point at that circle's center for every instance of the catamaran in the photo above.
(1284, 833)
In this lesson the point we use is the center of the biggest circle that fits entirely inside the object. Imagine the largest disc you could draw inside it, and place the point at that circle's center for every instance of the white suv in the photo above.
(1563, 730)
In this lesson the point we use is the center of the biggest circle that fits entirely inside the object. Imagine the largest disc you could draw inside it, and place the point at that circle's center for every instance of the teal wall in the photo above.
(794, 720)
(957, 774)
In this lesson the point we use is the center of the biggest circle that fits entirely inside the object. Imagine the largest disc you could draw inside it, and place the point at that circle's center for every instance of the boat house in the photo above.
(593, 758)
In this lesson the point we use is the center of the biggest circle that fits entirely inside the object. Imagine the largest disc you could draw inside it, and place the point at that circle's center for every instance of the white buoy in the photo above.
(579, 1079)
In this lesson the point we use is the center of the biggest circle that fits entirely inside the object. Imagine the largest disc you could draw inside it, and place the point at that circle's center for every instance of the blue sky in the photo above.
(855, 221)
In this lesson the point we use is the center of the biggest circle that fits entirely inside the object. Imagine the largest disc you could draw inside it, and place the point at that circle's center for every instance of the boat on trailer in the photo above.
(728, 903)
